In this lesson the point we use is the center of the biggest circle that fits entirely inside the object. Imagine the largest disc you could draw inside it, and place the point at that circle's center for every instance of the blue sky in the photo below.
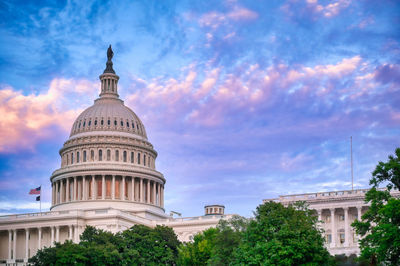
(243, 100)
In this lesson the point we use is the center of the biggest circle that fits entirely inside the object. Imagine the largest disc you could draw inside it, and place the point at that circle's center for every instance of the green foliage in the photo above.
(139, 245)
(214, 246)
(282, 236)
(380, 224)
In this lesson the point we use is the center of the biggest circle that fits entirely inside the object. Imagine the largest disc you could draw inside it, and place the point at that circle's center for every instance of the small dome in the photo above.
(108, 114)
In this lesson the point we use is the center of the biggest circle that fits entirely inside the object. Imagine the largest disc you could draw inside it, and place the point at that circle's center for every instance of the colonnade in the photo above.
(73, 235)
(108, 187)
(339, 219)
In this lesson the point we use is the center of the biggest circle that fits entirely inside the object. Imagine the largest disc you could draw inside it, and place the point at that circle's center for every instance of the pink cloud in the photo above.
(215, 19)
(314, 7)
(209, 98)
(26, 119)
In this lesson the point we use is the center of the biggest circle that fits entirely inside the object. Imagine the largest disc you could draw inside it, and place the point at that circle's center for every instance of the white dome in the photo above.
(108, 114)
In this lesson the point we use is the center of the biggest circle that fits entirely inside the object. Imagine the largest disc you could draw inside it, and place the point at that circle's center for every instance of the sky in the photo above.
(242, 100)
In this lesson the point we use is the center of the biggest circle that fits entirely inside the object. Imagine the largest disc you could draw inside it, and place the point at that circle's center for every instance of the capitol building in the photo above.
(108, 179)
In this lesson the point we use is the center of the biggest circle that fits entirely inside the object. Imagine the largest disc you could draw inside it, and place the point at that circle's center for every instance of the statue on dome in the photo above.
(109, 63)
(110, 53)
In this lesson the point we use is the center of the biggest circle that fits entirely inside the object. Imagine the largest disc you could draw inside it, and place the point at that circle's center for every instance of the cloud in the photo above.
(214, 19)
(314, 8)
(26, 119)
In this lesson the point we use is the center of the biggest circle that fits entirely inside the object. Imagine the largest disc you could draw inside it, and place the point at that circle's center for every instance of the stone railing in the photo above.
(360, 193)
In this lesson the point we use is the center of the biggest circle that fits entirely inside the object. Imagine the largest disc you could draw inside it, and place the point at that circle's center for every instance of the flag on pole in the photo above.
(35, 191)
(38, 198)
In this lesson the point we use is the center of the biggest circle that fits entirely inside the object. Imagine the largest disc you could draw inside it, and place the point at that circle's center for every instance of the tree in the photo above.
(379, 226)
(142, 245)
(214, 246)
(139, 245)
(282, 235)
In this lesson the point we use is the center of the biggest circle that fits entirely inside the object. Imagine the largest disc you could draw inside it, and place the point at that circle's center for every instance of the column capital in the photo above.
(345, 208)
(332, 209)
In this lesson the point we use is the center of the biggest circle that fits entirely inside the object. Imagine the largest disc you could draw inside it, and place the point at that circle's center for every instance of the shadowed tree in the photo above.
(380, 224)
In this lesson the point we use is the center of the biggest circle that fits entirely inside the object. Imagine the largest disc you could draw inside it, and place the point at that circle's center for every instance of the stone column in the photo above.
(113, 188)
(123, 188)
(148, 192)
(14, 244)
(53, 190)
(52, 236)
(70, 232)
(158, 195)
(84, 189)
(67, 190)
(93, 186)
(26, 242)
(154, 193)
(61, 191)
(359, 208)
(57, 194)
(141, 190)
(133, 189)
(333, 227)
(76, 234)
(79, 189)
(9, 243)
(57, 234)
(103, 187)
(39, 238)
(319, 211)
(74, 194)
(162, 196)
(346, 227)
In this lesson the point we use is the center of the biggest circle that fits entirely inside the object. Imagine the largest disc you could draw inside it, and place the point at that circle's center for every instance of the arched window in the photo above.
(84, 156)
(95, 122)
(90, 122)
(122, 123)
(133, 125)
(115, 122)
(144, 159)
(72, 158)
(92, 155)
(67, 159)
(102, 122)
(117, 155)
(127, 124)
(77, 156)
(125, 155)
(109, 122)
(84, 123)
(132, 157)
(108, 155)
(138, 158)
(100, 155)
(79, 125)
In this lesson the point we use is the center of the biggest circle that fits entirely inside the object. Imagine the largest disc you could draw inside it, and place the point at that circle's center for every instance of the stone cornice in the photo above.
(105, 168)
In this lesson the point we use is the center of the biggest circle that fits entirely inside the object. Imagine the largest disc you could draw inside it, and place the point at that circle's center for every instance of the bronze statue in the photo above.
(110, 53)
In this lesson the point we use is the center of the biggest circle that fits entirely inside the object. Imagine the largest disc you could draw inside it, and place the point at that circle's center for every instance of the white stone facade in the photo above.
(107, 179)
(336, 212)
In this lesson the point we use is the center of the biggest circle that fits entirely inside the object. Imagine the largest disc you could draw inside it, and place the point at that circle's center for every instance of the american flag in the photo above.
(35, 191)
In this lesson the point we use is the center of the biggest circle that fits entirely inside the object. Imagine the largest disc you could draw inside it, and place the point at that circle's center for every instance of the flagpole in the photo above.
(40, 199)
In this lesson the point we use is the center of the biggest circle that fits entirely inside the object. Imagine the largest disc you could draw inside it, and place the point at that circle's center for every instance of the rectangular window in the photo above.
(125, 155)
(138, 158)
(341, 238)
(132, 157)
(144, 160)
(328, 239)
(341, 217)
(100, 155)
(328, 219)
(92, 155)
(117, 155)
(84, 156)
(77, 156)
(72, 158)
